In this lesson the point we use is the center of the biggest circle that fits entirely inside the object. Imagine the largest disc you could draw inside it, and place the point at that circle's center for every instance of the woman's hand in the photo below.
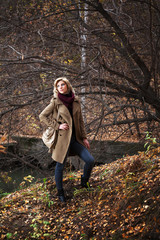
(64, 126)
(86, 143)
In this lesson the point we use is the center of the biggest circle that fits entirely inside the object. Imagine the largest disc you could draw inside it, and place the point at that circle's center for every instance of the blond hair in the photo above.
(64, 79)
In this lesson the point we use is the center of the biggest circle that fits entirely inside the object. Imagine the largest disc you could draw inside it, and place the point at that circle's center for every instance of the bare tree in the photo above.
(40, 41)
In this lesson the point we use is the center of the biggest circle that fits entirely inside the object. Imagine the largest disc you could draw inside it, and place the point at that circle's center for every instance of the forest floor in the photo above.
(122, 203)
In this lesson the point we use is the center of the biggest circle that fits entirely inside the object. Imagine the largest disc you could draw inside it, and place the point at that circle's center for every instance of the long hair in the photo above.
(64, 79)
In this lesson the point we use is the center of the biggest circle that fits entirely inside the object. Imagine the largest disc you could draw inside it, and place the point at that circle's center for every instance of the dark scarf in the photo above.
(67, 99)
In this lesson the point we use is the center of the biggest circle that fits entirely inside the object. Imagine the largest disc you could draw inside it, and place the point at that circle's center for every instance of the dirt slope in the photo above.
(122, 203)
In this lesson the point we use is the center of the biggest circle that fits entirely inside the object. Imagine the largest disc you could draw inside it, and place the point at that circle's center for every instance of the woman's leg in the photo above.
(59, 169)
(59, 175)
(85, 155)
(59, 179)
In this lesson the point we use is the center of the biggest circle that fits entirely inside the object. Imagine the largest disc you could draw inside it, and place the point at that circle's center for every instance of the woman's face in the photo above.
(62, 87)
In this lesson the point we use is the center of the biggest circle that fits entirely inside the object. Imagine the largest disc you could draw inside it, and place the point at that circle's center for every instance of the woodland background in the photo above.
(109, 50)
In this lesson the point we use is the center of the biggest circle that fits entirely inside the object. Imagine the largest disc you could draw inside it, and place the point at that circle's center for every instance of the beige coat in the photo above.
(49, 117)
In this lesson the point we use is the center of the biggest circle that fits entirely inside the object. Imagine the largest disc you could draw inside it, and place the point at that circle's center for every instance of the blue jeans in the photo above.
(83, 153)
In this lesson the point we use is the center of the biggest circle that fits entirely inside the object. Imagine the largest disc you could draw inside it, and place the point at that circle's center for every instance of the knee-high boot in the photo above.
(84, 182)
(61, 195)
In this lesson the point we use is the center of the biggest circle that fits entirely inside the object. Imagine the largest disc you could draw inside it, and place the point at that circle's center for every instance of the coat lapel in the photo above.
(63, 110)
(75, 106)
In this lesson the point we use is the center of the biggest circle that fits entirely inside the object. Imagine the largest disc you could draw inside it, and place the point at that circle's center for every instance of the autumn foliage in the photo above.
(2, 148)
(122, 203)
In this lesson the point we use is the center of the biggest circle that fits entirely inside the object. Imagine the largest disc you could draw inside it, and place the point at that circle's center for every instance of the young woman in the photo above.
(64, 114)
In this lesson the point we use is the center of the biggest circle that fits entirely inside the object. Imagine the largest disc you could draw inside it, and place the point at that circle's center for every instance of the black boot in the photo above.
(61, 195)
(84, 182)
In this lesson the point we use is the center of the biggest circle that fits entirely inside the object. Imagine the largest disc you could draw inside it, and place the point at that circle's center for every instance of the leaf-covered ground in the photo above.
(122, 203)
